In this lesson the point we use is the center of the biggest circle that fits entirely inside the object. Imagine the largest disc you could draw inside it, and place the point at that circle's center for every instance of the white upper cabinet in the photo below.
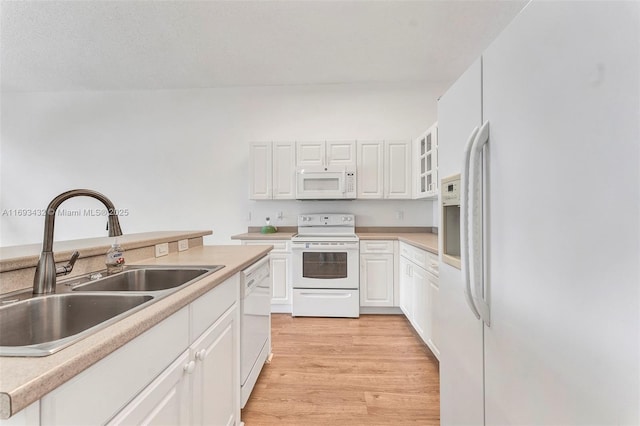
(324, 154)
(426, 163)
(283, 170)
(370, 173)
(260, 171)
(272, 170)
(341, 153)
(310, 154)
(397, 170)
(384, 170)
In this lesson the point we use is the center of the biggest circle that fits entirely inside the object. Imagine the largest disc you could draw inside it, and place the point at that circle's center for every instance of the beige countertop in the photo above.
(423, 240)
(17, 257)
(25, 380)
(258, 236)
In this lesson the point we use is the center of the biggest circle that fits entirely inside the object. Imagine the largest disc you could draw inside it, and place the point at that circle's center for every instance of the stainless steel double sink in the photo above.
(41, 325)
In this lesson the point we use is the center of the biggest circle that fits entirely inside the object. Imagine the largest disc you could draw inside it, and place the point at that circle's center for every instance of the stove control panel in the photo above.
(323, 219)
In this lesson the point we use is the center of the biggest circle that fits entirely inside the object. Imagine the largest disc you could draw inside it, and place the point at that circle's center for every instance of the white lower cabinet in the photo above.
(183, 371)
(432, 332)
(420, 301)
(280, 267)
(406, 288)
(216, 371)
(376, 279)
(195, 389)
(99, 392)
(419, 292)
(377, 273)
(163, 402)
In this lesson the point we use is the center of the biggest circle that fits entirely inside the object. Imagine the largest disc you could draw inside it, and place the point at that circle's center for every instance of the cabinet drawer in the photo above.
(208, 308)
(278, 245)
(326, 303)
(376, 246)
(432, 264)
(422, 258)
(414, 254)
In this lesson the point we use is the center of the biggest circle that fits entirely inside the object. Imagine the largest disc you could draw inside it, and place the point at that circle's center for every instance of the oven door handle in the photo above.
(327, 249)
(326, 295)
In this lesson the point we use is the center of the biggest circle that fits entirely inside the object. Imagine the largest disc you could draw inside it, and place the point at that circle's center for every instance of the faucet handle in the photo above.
(66, 269)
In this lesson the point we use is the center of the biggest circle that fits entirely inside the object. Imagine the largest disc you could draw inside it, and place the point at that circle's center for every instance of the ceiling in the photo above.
(137, 45)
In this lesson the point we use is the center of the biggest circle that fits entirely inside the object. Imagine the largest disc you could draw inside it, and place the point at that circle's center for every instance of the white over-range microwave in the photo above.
(326, 183)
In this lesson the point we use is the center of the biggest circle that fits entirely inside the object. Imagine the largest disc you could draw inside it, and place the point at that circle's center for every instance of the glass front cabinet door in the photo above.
(426, 166)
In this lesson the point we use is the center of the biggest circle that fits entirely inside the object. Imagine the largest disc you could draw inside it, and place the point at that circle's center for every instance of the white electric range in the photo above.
(325, 258)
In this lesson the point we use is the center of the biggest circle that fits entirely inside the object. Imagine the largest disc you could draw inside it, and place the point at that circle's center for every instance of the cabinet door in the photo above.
(216, 377)
(164, 402)
(432, 304)
(370, 170)
(406, 288)
(341, 153)
(376, 280)
(280, 272)
(284, 170)
(421, 302)
(397, 169)
(426, 164)
(310, 154)
(260, 173)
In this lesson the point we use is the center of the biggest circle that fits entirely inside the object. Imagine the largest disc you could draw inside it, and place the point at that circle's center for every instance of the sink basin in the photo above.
(146, 279)
(40, 326)
(43, 325)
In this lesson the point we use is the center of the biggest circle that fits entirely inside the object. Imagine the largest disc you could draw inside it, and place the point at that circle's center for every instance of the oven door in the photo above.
(325, 265)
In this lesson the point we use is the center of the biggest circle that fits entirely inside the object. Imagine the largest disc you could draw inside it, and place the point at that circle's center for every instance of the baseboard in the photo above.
(280, 309)
(380, 310)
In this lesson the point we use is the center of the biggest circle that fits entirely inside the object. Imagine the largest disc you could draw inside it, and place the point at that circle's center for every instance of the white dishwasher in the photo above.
(255, 324)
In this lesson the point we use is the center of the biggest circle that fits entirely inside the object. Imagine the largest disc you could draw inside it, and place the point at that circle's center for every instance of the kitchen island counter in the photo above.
(25, 380)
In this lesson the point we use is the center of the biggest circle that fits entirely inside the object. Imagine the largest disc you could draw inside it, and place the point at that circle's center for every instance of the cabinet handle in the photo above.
(189, 367)
(201, 354)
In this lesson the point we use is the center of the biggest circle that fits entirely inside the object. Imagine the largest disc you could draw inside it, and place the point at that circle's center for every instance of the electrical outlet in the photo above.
(399, 215)
(249, 217)
(280, 215)
(183, 245)
(162, 249)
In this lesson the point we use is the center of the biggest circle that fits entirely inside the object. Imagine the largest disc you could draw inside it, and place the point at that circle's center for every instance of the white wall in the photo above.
(179, 159)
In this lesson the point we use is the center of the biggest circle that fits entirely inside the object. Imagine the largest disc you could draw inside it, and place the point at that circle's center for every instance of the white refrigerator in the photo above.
(554, 224)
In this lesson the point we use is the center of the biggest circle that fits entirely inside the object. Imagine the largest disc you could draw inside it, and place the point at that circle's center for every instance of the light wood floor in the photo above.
(332, 371)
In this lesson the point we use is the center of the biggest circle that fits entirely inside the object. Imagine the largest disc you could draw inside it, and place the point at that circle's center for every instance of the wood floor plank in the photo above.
(373, 370)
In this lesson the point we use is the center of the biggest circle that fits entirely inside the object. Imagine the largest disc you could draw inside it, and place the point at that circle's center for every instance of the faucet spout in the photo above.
(45, 277)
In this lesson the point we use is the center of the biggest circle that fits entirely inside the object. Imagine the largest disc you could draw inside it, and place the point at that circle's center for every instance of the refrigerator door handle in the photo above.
(476, 263)
(464, 227)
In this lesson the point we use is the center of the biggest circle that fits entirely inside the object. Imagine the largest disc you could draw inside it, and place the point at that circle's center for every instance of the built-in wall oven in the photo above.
(325, 259)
